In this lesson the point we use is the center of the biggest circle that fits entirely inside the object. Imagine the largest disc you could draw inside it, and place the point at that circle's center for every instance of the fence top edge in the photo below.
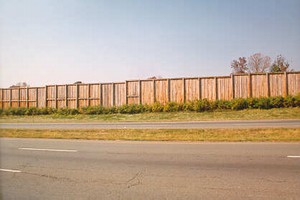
(162, 79)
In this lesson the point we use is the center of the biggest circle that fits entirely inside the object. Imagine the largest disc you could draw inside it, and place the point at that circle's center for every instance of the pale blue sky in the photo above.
(62, 41)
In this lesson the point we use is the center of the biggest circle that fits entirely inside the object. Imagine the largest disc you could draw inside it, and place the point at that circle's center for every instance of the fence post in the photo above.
(154, 91)
(100, 94)
(2, 102)
(200, 89)
(168, 87)
(140, 92)
(66, 96)
(216, 88)
(27, 97)
(249, 85)
(113, 94)
(232, 86)
(19, 97)
(55, 88)
(10, 97)
(46, 94)
(183, 90)
(77, 94)
(286, 84)
(89, 94)
(126, 92)
(268, 84)
(37, 97)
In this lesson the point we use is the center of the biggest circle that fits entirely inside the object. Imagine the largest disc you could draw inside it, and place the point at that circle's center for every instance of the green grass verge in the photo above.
(251, 114)
(205, 135)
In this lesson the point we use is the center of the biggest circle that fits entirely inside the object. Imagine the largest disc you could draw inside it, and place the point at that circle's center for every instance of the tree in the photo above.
(239, 66)
(259, 63)
(20, 84)
(280, 64)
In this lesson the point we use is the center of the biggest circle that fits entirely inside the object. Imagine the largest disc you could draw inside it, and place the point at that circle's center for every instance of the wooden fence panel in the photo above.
(276, 84)
(293, 83)
(107, 97)
(259, 85)
(41, 98)
(192, 89)
(61, 96)
(15, 97)
(161, 91)
(83, 95)
(94, 94)
(1, 97)
(224, 88)
(32, 97)
(241, 86)
(72, 93)
(51, 99)
(133, 92)
(176, 90)
(147, 92)
(208, 88)
(23, 97)
(6, 96)
(120, 94)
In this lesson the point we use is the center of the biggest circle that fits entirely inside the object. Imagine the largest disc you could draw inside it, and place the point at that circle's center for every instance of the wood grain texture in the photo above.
(149, 91)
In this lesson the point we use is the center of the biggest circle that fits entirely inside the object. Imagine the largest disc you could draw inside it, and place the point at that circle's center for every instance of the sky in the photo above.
(63, 41)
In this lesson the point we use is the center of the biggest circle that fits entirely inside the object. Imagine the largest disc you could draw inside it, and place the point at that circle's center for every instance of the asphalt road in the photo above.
(159, 125)
(72, 169)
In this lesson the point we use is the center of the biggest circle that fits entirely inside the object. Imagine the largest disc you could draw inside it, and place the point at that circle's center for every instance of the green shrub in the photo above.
(264, 103)
(172, 107)
(221, 105)
(157, 107)
(67, 111)
(188, 106)
(277, 102)
(202, 105)
(130, 109)
(239, 104)
(289, 101)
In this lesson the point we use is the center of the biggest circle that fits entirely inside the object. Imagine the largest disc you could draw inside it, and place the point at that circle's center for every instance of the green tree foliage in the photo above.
(280, 64)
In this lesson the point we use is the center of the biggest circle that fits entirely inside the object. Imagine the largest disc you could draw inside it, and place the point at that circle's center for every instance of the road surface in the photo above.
(72, 169)
(159, 125)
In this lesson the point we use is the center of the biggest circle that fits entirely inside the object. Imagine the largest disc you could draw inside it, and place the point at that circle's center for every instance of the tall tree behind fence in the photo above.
(150, 91)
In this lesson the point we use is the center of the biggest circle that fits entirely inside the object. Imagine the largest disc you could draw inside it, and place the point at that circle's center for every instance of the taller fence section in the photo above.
(149, 91)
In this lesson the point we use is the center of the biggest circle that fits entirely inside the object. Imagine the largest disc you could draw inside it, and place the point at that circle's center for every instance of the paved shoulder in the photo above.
(160, 125)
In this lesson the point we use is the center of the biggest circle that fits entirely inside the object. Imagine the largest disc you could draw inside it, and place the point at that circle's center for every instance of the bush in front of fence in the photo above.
(203, 105)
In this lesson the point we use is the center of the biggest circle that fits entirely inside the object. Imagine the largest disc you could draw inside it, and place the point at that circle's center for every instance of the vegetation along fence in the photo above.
(150, 91)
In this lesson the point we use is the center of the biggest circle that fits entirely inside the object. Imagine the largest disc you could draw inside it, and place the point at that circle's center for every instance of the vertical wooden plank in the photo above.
(19, 97)
(2, 105)
(37, 98)
(10, 97)
(233, 86)
(27, 97)
(126, 92)
(140, 92)
(55, 95)
(216, 89)
(249, 85)
(169, 90)
(46, 98)
(113, 94)
(286, 85)
(100, 95)
(183, 90)
(154, 91)
(268, 84)
(77, 95)
(66, 96)
(89, 95)
(200, 89)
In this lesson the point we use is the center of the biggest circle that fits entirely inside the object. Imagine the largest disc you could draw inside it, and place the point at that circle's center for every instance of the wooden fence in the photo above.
(150, 91)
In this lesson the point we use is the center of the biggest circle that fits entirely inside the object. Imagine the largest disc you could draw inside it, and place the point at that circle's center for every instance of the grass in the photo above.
(251, 114)
(205, 135)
